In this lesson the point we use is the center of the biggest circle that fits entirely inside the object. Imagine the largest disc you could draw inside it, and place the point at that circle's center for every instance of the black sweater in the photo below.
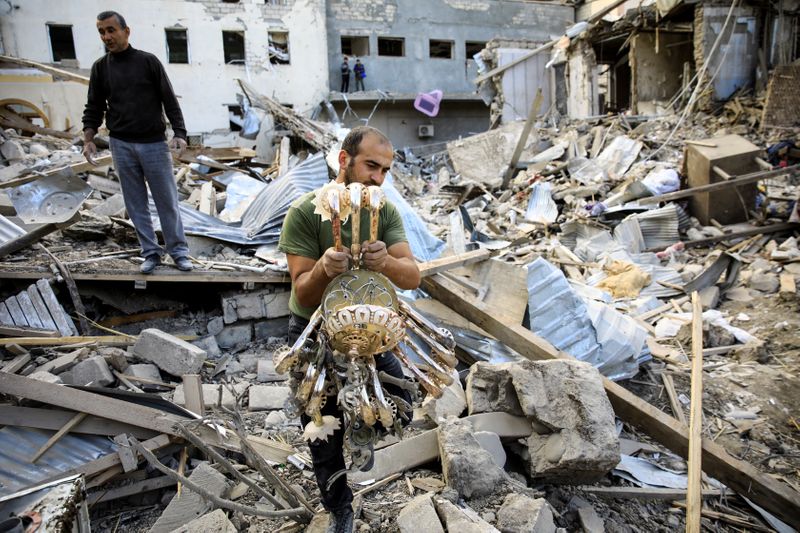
(130, 88)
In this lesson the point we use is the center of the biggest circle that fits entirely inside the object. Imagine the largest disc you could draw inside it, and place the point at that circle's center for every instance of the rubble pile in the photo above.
(168, 404)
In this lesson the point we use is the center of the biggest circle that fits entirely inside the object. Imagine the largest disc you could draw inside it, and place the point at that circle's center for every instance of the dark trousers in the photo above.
(345, 84)
(327, 455)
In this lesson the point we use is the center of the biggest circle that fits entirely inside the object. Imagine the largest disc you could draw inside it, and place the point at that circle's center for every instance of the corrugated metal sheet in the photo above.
(521, 82)
(9, 230)
(261, 222)
(18, 444)
(659, 226)
(561, 317)
(424, 245)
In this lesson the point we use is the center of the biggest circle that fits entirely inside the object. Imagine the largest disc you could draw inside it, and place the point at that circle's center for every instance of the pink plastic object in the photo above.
(428, 103)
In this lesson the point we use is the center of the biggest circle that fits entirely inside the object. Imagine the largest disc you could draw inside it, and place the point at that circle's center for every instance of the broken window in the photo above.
(61, 42)
(441, 49)
(276, 2)
(353, 45)
(473, 47)
(279, 47)
(177, 45)
(233, 46)
(391, 46)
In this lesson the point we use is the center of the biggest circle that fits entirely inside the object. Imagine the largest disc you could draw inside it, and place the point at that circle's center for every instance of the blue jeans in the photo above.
(139, 165)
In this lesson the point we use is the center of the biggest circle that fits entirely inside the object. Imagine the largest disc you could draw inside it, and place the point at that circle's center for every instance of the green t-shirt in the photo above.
(305, 234)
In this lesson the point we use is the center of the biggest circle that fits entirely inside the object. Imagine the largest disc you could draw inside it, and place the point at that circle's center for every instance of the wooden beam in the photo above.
(644, 493)
(105, 340)
(694, 500)
(54, 419)
(146, 485)
(112, 460)
(778, 498)
(669, 386)
(16, 364)
(132, 275)
(193, 394)
(757, 230)
(75, 168)
(87, 402)
(74, 421)
(429, 268)
(70, 76)
(9, 119)
(523, 138)
(18, 243)
(711, 187)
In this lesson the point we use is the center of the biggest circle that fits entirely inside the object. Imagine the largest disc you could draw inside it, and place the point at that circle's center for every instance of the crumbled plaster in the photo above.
(383, 11)
(469, 5)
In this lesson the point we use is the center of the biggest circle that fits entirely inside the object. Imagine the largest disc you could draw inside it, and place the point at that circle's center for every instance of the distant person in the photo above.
(131, 90)
(360, 73)
(345, 76)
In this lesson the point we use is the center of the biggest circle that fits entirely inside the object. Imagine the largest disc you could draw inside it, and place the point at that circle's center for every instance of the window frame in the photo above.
(185, 31)
(402, 41)
(452, 46)
(225, 54)
(49, 26)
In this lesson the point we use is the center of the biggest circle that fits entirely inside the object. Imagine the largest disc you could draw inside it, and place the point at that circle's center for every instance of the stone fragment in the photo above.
(419, 515)
(215, 521)
(169, 353)
(456, 520)
(211, 396)
(268, 397)
(209, 344)
(93, 371)
(490, 442)
(466, 466)
(766, 282)
(235, 335)
(452, 402)
(275, 419)
(90, 227)
(190, 505)
(12, 150)
(111, 206)
(522, 514)
(590, 520)
(274, 327)
(575, 439)
(709, 297)
(266, 303)
(39, 150)
(215, 325)
(47, 377)
(12, 171)
(266, 372)
(490, 389)
(146, 371)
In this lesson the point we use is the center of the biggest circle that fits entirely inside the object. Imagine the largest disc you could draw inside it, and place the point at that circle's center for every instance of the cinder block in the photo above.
(256, 304)
(169, 353)
(92, 371)
(267, 397)
(235, 335)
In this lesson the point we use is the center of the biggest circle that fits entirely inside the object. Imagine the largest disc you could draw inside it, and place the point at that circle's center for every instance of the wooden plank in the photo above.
(694, 501)
(127, 455)
(193, 394)
(71, 423)
(772, 228)
(643, 493)
(74, 168)
(87, 402)
(107, 340)
(16, 364)
(21, 331)
(5, 316)
(63, 322)
(10, 119)
(70, 76)
(788, 285)
(146, 485)
(26, 305)
(669, 386)
(450, 262)
(523, 138)
(53, 419)
(16, 311)
(711, 187)
(778, 498)
(132, 275)
(41, 308)
(283, 156)
(112, 460)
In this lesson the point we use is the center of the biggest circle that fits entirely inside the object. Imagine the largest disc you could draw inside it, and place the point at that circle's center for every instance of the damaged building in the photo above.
(603, 202)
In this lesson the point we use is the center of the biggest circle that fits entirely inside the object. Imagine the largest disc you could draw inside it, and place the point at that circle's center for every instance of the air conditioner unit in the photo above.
(425, 131)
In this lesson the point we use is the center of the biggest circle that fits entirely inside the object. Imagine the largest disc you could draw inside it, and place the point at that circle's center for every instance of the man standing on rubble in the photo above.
(365, 157)
(345, 76)
(131, 90)
(360, 73)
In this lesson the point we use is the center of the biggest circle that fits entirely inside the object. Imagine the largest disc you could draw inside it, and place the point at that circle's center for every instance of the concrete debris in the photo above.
(268, 397)
(466, 466)
(214, 395)
(266, 372)
(258, 304)
(455, 519)
(522, 514)
(452, 402)
(169, 353)
(93, 371)
(419, 515)
(215, 521)
(235, 335)
(575, 438)
(186, 507)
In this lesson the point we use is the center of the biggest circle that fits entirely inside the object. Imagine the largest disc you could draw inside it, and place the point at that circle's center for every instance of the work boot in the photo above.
(341, 521)
(150, 264)
(183, 263)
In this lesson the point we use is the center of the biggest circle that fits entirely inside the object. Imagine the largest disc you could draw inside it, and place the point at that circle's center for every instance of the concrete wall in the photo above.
(399, 120)
(206, 85)
(658, 76)
(418, 21)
